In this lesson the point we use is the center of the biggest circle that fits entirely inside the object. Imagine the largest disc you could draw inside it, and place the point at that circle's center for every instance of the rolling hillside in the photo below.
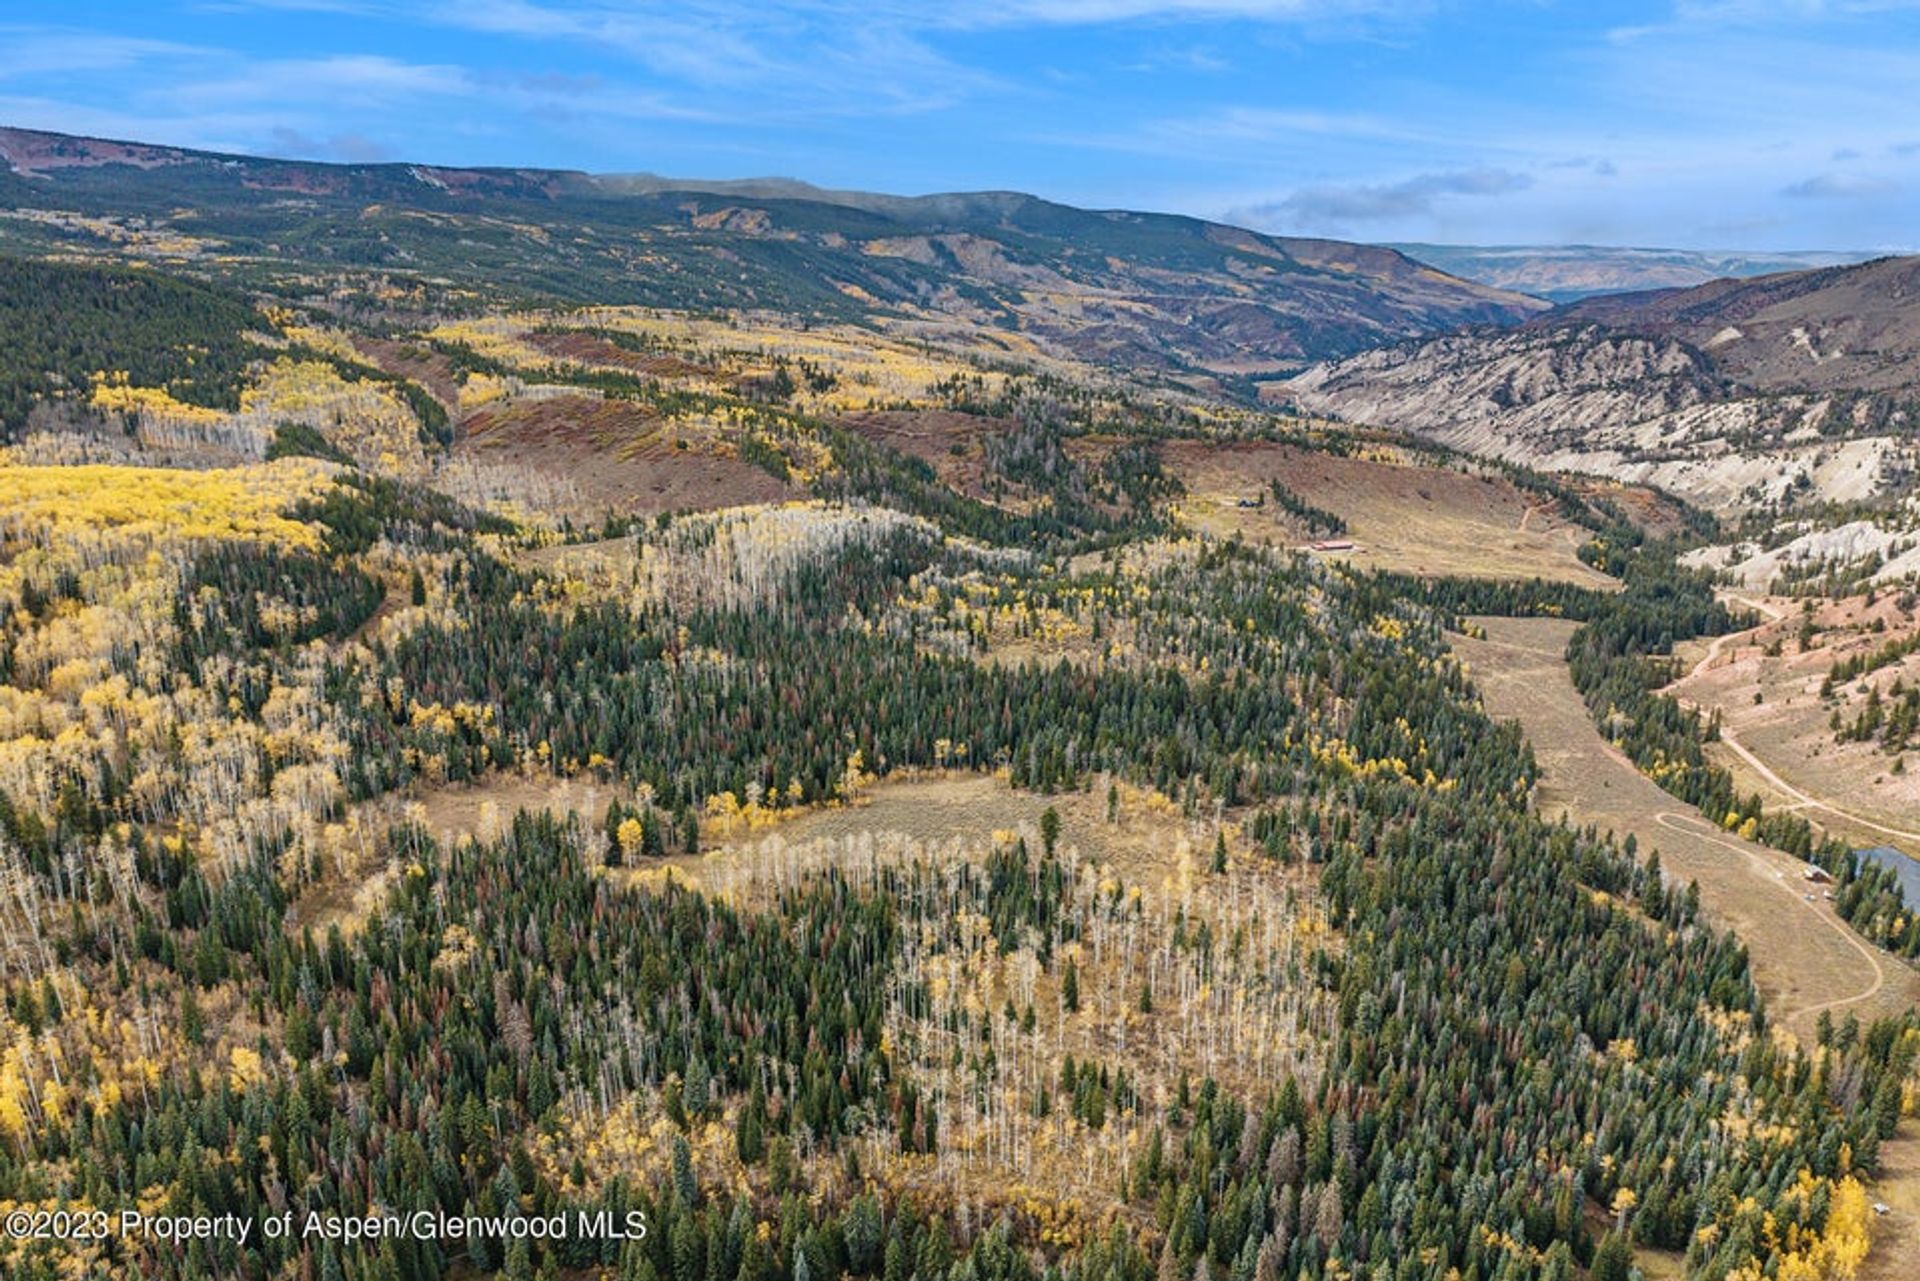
(1800, 385)
(570, 727)
(1145, 290)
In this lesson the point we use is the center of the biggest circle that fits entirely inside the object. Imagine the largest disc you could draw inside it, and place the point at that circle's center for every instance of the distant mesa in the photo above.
(1568, 273)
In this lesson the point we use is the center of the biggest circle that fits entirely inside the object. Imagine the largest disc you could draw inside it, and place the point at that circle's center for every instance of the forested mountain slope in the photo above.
(409, 705)
(858, 1062)
(65, 325)
(1142, 289)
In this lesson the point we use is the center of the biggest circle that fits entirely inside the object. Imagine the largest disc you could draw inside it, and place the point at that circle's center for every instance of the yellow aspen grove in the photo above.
(557, 725)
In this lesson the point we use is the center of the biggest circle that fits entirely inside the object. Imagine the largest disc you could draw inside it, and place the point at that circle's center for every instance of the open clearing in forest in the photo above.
(1245, 1012)
(593, 457)
(1400, 514)
(1782, 745)
(950, 442)
(349, 891)
(485, 808)
(1805, 959)
(1143, 845)
(1896, 1239)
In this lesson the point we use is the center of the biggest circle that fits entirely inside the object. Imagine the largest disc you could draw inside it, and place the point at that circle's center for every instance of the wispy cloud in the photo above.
(1600, 165)
(572, 17)
(212, 131)
(1840, 186)
(1179, 58)
(38, 51)
(1324, 207)
(1268, 124)
(1722, 16)
(366, 80)
(347, 148)
(1229, 134)
(819, 57)
(368, 7)
(1100, 12)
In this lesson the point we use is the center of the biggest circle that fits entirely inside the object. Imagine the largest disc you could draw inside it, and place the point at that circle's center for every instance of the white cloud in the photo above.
(574, 18)
(232, 131)
(39, 51)
(349, 81)
(1842, 186)
(346, 148)
(1100, 12)
(1332, 206)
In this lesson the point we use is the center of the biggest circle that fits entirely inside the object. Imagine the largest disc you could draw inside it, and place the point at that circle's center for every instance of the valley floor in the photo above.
(1805, 959)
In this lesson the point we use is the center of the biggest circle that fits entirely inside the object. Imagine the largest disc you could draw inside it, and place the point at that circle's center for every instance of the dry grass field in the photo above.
(353, 886)
(1401, 515)
(604, 456)
(1775, 726)
(1896, 1242)
(1140, 845)
(1805, 959)
(422, 364)
(946, 440)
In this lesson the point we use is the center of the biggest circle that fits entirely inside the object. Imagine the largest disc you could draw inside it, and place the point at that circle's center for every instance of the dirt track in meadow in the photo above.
(1805, 959)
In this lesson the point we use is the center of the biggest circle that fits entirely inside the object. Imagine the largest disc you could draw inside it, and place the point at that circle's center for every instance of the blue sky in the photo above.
(1693, 123)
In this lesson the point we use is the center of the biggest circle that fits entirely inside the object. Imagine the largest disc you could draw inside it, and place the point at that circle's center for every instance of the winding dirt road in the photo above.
(1699, 829)
(1805, 959)
(1773, 612)
(1801, 799)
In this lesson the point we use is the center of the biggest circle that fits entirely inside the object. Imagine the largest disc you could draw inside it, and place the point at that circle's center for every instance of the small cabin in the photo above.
(1818, 875)
(1334, 545)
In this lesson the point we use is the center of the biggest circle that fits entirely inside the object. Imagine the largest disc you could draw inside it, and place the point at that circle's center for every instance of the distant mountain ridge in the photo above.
(1732, 393)
(1156, 291)
(1853, 328)
(1567, 273)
